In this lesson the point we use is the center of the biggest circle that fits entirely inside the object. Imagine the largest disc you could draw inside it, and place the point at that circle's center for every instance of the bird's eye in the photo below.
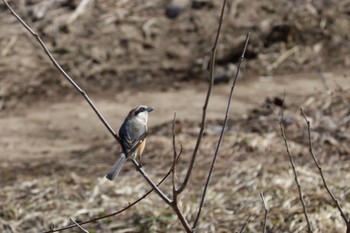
(139, 110)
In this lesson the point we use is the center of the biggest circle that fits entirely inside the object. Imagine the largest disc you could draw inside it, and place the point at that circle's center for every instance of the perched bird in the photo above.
(132, 131)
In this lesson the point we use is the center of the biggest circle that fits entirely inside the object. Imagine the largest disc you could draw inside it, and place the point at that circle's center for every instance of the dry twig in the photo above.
(245, 223)
(173, 169)
(265, 211)
(80, 227)
(206, 102)
(221, 133)
(291, 159)
(311, 150)
(165, 198)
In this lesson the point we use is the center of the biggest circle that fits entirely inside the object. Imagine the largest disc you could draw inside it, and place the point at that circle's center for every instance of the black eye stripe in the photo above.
(141, 109)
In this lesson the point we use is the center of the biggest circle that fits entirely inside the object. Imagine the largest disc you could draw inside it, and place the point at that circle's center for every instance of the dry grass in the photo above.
(38, 194)
(250, 162)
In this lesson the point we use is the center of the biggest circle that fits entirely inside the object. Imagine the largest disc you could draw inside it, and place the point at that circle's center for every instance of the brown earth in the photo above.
(54, 150)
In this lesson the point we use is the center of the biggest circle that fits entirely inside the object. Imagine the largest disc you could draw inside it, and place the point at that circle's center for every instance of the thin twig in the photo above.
(67, 77)
(311, 150)
(80, 227)
(265, 211)
(291, 159)
(204, 111)
(174, 161)
(245, 223)
(221, 133)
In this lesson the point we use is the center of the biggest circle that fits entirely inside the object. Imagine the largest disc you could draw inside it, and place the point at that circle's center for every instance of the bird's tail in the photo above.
(117, 167)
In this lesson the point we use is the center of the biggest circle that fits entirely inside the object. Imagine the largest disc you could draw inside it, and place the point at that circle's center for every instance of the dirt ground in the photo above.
(54, 150)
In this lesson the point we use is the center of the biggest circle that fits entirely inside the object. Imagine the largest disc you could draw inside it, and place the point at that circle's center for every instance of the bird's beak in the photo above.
(149, 109)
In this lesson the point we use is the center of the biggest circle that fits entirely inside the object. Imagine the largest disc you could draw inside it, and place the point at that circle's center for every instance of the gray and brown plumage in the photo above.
(131, 132)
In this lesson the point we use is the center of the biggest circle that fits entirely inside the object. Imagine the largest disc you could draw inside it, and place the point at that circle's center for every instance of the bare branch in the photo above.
(221, 134)
(80, 227)
(265, 211)
(174, 161)
(67, 77)
(172, 203)
(311, 150)
(164, 197)
(204, 111)
(245, 223)
(291, 159)
(150, 182)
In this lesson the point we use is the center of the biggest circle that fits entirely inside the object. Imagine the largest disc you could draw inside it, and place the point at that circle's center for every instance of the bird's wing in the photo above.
(129, 139)
(126, 140)
(131, 136)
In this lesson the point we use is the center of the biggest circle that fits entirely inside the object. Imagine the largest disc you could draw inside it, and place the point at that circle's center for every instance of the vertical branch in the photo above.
(61, 70)
(265, 211)
(311, 150)
(205, 106)
(173, 169)
(291, 159)
(221, 133)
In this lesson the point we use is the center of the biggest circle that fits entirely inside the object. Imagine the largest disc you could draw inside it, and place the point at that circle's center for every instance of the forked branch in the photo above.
(166, 199)
(116, 212)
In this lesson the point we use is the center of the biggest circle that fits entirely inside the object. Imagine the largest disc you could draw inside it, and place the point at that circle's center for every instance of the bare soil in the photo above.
(54, 150)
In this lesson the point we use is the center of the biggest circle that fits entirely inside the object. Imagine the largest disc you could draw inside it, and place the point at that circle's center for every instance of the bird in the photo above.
(131, 133)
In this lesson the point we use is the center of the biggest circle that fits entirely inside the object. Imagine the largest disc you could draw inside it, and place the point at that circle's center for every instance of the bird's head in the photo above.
(141, 113)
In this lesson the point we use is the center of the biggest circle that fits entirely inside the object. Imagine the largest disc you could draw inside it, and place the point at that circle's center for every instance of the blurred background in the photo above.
(54, 150)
